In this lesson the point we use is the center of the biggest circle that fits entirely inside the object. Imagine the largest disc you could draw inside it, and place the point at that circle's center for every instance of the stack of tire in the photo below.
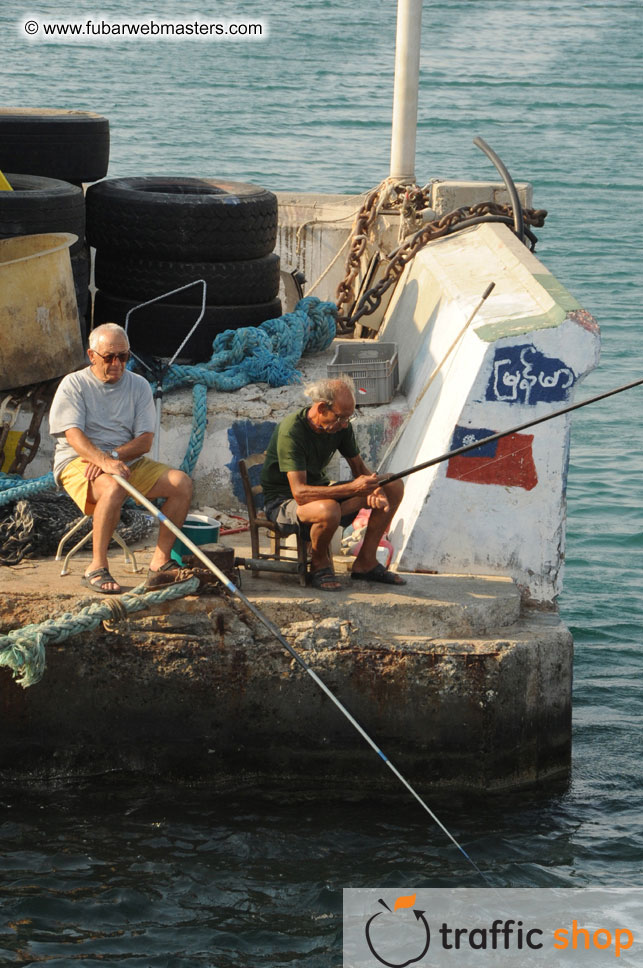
(153, 235)
(46, 155)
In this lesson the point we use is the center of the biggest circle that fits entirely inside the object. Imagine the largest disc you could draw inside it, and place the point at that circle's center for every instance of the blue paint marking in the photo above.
(162, 517)
(246, 437)
(524, 375)
(467, 435)
(383, 757)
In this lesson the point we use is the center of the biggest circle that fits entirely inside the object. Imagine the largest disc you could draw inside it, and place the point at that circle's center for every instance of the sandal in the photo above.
(168, 574)
(325, 580)
(379, 574)
(96, 580)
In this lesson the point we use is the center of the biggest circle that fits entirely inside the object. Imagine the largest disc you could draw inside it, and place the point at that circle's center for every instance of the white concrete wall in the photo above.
(521, 357)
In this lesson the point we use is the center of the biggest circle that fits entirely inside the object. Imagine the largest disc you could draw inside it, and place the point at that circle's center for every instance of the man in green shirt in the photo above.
(299, 496)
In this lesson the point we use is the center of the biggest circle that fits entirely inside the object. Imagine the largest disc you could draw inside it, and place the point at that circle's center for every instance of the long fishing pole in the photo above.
(388, 478)
(232, 588)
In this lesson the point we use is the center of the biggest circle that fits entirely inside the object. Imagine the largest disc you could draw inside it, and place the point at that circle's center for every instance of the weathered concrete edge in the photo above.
(206, 692)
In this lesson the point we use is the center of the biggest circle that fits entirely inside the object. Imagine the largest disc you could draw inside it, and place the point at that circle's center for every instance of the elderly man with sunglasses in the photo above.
(298, 494)
(103, 419)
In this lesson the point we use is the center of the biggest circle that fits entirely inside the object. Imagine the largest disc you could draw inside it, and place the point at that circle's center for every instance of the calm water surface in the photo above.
(129, 874)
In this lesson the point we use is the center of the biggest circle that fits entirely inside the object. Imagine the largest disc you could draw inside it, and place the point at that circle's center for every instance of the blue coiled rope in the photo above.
(15, 488)
(267, 353)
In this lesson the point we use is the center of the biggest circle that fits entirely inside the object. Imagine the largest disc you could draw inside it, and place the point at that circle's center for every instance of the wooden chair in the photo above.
(258, 521)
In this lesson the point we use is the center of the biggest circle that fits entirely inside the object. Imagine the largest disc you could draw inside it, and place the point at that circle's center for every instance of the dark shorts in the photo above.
(283, 511)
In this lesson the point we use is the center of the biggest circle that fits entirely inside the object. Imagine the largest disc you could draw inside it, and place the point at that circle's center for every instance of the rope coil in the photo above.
(23, 650)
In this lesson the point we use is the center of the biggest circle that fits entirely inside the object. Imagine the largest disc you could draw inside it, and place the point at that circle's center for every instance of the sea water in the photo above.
(145, 875)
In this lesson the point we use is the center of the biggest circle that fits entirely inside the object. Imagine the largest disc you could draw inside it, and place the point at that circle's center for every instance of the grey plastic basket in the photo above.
(373, 366)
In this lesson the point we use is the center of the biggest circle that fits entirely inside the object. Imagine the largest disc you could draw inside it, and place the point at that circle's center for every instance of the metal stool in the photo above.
(129, 554)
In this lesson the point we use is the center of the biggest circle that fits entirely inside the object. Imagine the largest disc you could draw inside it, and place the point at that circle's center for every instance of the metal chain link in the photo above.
(398, 259)
(389, 195)
(39, 396)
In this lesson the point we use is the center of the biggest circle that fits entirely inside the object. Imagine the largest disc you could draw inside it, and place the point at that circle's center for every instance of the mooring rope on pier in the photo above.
(23, 650)
(199, 423)
(14, 488)
(267, 353)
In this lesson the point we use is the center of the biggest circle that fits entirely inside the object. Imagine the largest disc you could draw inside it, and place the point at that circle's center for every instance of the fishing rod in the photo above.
(387, 479)
(232, 588)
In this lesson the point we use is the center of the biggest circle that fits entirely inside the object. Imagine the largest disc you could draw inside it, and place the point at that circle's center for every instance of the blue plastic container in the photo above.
(200, 529)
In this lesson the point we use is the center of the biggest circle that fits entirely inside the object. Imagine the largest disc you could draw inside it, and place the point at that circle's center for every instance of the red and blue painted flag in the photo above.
(508, 462)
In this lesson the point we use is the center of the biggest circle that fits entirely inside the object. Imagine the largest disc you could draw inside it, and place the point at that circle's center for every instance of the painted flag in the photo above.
(508, 462)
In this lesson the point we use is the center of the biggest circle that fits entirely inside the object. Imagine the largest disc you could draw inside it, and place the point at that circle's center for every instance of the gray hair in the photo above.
(105, 330)
(325, 391)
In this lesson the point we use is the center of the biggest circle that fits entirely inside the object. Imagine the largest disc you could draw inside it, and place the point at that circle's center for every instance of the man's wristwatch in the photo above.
(114, 454)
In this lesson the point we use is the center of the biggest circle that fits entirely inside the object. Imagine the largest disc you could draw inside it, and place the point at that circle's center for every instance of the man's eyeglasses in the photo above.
(340, 418)
(110, 357)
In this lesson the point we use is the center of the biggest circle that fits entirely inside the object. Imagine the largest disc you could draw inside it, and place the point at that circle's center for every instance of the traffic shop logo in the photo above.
(417, 932)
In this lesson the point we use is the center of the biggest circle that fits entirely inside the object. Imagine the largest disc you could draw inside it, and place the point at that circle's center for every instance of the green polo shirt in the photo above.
(294, 446)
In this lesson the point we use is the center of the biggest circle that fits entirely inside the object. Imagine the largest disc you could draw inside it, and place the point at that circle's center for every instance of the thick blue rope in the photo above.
(15, 488)
(267, 353)
(199, 423)
(23, 650)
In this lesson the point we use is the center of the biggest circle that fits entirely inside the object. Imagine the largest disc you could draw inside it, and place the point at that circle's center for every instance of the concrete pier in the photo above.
(460, 684)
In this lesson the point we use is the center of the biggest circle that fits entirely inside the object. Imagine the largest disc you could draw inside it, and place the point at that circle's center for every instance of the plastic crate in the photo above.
(373, 366)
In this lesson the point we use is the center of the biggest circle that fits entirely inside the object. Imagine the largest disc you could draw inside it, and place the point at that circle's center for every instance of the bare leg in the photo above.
(109, 497)
(176, 487)
(323, 518)
(378, 524)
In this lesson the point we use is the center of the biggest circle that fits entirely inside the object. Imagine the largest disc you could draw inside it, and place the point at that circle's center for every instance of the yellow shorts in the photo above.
(145, 474)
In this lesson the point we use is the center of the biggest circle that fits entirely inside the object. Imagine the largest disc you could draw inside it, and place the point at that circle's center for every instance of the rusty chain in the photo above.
(408, 199)
(397, 260)
(39, 396)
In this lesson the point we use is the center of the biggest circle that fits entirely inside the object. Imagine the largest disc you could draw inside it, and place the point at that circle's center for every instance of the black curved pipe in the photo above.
(519, 227)
(496, 218)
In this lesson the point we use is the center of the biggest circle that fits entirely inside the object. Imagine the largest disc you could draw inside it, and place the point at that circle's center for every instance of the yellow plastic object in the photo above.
(39, 328)
(10, 449)
(4, 184)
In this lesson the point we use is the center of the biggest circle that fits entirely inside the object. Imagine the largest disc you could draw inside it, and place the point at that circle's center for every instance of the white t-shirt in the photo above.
(109, 414)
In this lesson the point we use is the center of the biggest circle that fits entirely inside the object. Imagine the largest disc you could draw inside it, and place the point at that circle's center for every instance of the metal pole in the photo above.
(405, 91)
(161, 371)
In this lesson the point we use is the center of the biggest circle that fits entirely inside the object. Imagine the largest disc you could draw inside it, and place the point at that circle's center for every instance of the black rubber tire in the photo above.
(190, 219)
(71, 145)
(39, 204)
(158, 330)
(227, 283)
(80, 267)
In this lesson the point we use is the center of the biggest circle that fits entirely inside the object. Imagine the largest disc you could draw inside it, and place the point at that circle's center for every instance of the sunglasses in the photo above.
(110, 357)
